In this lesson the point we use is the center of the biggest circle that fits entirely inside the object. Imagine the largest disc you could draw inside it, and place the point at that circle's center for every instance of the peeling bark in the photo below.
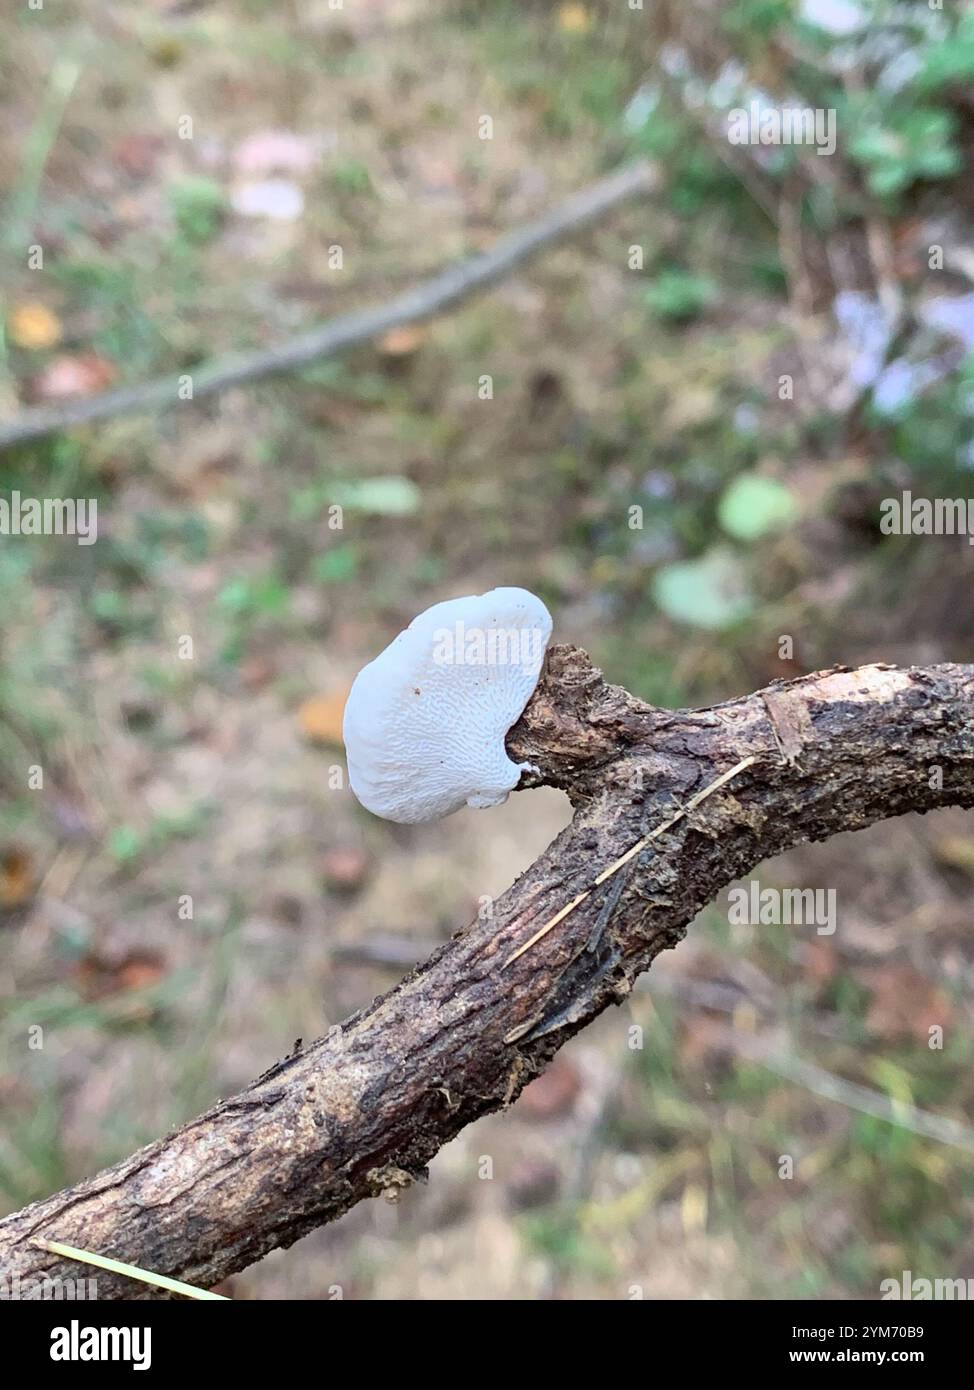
(363, 1110)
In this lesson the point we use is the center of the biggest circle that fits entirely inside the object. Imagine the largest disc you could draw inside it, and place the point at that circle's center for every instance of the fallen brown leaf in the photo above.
(98, 977)
(344, 867)
(400, 342)
(574, 19)
(82, 375)
(16, 878)
(138, 153)
(321, 717)
(905, 1003)
(956, 851)
(34, 326)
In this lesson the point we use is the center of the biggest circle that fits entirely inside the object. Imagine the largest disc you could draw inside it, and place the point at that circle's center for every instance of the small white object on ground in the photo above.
(278, 199)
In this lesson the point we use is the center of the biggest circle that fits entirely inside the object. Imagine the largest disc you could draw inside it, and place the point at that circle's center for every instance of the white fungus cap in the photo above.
(425, 721)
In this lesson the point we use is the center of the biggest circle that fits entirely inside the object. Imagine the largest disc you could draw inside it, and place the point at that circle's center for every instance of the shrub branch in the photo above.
(362, 1110)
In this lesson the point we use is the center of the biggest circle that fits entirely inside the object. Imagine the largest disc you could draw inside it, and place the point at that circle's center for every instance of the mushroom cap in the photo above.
(425, 721)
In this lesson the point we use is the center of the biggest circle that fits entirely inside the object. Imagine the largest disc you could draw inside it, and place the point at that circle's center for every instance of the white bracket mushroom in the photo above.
(425, 721)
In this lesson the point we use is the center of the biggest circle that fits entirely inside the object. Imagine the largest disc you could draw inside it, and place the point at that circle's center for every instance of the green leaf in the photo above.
(679, 296)
(198, 205)
(379, 496)
(336, 564)
(753, 506)
(951, 60)
(709, 592)
(251, 597)
(352, 176)
(898, 147)
(125, 844)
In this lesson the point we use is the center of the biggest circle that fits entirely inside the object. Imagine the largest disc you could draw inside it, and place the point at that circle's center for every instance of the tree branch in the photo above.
(364, 1109)
(442, 291)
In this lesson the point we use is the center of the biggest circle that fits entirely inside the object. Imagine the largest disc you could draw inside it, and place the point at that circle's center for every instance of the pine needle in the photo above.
(624, 859)
(144, 1276)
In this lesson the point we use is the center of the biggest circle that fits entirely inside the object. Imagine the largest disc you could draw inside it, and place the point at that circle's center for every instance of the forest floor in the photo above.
(219, 779)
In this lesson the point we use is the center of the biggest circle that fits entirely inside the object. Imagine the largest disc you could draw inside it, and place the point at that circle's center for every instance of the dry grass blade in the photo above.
(144, 1276)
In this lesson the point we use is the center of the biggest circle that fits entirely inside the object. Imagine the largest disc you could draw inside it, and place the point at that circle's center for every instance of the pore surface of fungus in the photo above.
(425, 721)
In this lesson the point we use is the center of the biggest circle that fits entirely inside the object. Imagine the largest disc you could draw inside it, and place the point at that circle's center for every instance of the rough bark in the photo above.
(363, 1110)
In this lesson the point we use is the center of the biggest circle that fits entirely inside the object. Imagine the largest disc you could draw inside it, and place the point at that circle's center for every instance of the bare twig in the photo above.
(865, 1099)
(766, 1049)
(364, 1109)
(442, 291)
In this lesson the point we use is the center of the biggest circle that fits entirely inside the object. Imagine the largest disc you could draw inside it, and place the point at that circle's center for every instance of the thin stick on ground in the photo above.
(444, 290)
(767, 1049)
